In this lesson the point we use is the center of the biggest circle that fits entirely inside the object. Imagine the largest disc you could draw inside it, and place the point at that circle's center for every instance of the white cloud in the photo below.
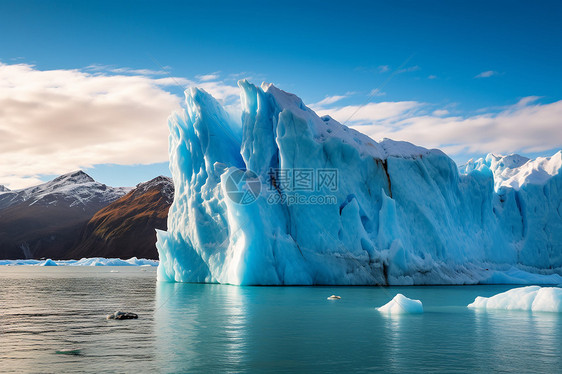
(440, 112)
(138, 71)
(384, 68)
(408, 69)
(124, 70)
(432, 76)
(376, 92)
(56, 121)
(487, 74)
(328, 101)
(208, 77)
(526, 126)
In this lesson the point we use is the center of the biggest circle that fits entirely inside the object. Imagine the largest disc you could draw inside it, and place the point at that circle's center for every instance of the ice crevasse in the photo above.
(397, 213)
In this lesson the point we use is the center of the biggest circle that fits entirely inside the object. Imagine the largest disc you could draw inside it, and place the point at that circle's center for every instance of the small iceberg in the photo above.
(400, 304)
(122, 315)
(334, 297)
(49, 262)
(531, 298)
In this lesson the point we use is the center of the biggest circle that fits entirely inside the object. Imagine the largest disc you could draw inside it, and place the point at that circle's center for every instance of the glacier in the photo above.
(386, 213)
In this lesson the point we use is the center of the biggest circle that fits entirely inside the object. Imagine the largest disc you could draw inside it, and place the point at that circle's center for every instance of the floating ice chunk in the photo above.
(334, 297)
(402, 305)
(49, 262)
(532, 298)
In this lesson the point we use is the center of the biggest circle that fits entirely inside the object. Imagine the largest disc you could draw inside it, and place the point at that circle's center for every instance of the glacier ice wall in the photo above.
(400, 214)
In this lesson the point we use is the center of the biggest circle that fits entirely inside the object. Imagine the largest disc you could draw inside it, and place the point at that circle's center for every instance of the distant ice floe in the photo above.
(400, 304)
(94, 261)
(531, 298)
(49, 262)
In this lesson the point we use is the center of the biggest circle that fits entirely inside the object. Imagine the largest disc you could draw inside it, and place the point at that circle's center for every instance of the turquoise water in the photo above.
(214, 328)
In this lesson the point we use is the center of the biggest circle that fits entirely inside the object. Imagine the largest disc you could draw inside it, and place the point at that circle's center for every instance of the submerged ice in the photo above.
(386, 212)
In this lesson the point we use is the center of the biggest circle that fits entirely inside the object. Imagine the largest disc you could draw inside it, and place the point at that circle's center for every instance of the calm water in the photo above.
(214, 328)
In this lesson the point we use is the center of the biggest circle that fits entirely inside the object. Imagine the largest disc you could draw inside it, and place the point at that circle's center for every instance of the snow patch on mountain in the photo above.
(75, 189)
(163, 183)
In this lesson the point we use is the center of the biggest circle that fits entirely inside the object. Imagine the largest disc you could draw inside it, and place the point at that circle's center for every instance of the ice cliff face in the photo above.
(325, 204)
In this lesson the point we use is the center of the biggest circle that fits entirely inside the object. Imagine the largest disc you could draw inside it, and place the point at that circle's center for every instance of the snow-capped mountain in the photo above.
(395, 213)
(4, 189)
(46, 220)
(74, 190)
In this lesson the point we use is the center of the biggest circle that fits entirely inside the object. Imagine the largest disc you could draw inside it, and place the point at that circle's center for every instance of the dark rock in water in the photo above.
(73, 352)
(122, 315)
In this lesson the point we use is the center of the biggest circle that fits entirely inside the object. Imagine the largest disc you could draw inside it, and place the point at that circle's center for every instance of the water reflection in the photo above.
(402, 335)
(199, 327)
(509, 336)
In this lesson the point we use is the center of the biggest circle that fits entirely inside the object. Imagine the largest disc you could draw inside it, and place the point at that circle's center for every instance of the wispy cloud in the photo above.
(440, 112)
(328, 101)
(526, 126)
(486, 74)
(208, 77)
(124, 70)
(409, 69)
(371, 112)
(384, 68)
(432, 76)
(376, 92)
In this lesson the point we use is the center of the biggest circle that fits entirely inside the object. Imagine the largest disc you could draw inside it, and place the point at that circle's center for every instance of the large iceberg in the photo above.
(289, 198)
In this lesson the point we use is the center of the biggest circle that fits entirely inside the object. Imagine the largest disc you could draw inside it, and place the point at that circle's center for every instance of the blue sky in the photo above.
(462, 64)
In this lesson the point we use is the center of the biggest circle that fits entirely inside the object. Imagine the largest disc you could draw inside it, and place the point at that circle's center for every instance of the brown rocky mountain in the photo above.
(126, 227)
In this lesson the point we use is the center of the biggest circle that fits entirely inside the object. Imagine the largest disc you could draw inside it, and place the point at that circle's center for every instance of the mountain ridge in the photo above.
(49, 219)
